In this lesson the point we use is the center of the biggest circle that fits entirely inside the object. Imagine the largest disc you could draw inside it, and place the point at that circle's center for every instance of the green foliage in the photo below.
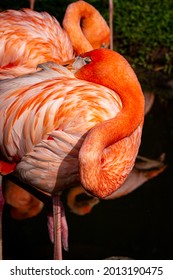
(143, 31)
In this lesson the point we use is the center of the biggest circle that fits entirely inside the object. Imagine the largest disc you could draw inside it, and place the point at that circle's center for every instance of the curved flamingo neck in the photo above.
(122, 125)
(114, 72)
(81, 22)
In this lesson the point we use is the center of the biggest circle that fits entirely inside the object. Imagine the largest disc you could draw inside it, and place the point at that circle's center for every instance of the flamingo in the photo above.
(61, 127)
(29, 38)
(81, 202)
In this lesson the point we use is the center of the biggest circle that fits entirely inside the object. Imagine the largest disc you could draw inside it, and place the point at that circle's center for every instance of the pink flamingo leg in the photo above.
(64, 228)
(58, 229)
(111, 12)
(32, 2)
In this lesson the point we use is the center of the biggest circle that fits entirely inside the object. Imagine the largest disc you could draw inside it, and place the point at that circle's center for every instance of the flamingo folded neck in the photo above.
(94, 177)
(113, 71)
(81, 21)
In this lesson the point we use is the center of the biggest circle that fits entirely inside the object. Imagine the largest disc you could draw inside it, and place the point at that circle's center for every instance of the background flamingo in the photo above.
(29, 38)
(23, 204)
(65, 130)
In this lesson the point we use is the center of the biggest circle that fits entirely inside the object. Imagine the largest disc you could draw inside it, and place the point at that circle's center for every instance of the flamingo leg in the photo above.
(32, 2)
(57, 227)
(111, 11)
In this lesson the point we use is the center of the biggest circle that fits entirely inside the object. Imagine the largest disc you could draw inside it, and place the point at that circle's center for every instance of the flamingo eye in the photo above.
(87, 59)
(103, 45)
(80, 62)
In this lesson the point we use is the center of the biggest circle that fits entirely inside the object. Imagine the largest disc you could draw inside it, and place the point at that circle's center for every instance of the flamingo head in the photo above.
(107, 68)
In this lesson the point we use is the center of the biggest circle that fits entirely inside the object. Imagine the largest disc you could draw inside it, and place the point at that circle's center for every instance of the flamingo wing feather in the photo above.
(45, 120)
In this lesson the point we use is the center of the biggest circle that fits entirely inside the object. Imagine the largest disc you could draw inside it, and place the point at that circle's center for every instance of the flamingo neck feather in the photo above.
(116, 74)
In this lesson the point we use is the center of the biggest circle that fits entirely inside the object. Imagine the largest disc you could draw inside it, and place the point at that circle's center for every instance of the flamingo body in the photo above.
(54, 119)
(45, 118)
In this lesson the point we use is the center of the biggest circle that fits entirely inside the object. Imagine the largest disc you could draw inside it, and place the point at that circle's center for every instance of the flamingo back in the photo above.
(29, 38)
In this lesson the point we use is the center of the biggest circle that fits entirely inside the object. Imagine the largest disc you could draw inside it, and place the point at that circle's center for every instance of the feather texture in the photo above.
(28, 38)
(60, 129)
